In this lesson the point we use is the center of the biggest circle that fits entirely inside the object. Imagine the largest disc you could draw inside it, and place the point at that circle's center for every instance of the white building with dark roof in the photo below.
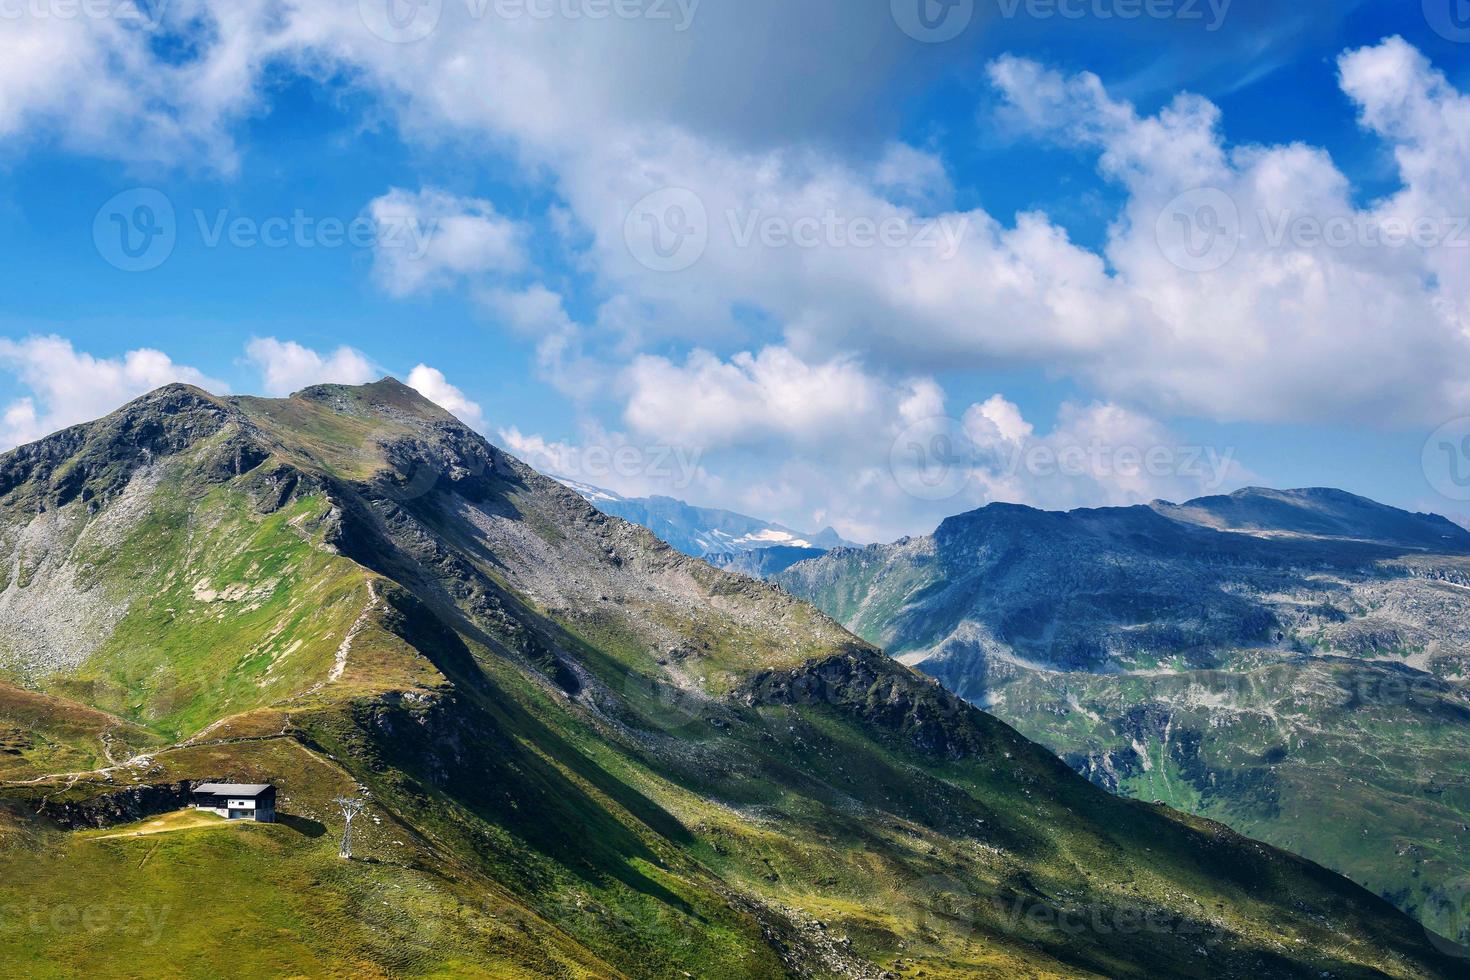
(237, 801)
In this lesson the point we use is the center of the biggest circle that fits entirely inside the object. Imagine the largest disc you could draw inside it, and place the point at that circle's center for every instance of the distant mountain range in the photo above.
(1292, 663)
(727, 539)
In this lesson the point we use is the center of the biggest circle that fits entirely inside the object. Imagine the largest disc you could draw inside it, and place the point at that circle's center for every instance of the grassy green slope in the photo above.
(1374, 788)
(230, 610)
(274, 900)
(587, 755)
(41, 733)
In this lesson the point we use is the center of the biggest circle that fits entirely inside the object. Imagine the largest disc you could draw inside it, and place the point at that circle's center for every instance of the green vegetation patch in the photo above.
(231, 610)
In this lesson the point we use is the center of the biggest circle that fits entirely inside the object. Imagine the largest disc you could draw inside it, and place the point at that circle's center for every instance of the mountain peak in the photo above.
(1299, 493)
(386, 384)
(177, 389)
(1319, 512)
(387, 392)
(991, 512)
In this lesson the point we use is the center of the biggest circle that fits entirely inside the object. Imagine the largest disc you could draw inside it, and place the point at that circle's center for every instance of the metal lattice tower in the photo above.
(351, 806)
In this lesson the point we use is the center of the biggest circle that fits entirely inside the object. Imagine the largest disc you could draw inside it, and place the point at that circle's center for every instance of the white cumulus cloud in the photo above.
(812, 443)
(69, 386)
(431, 383)
(431, 239)
(1251, 285)
(750, 398)
(286, 366)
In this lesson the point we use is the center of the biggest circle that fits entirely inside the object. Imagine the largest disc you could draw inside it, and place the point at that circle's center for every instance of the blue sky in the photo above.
(465, 196)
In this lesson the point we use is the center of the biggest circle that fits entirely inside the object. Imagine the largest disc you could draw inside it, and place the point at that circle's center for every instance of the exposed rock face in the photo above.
(1241, 657)
(120, 807)
(865, 686)
(96, 460)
